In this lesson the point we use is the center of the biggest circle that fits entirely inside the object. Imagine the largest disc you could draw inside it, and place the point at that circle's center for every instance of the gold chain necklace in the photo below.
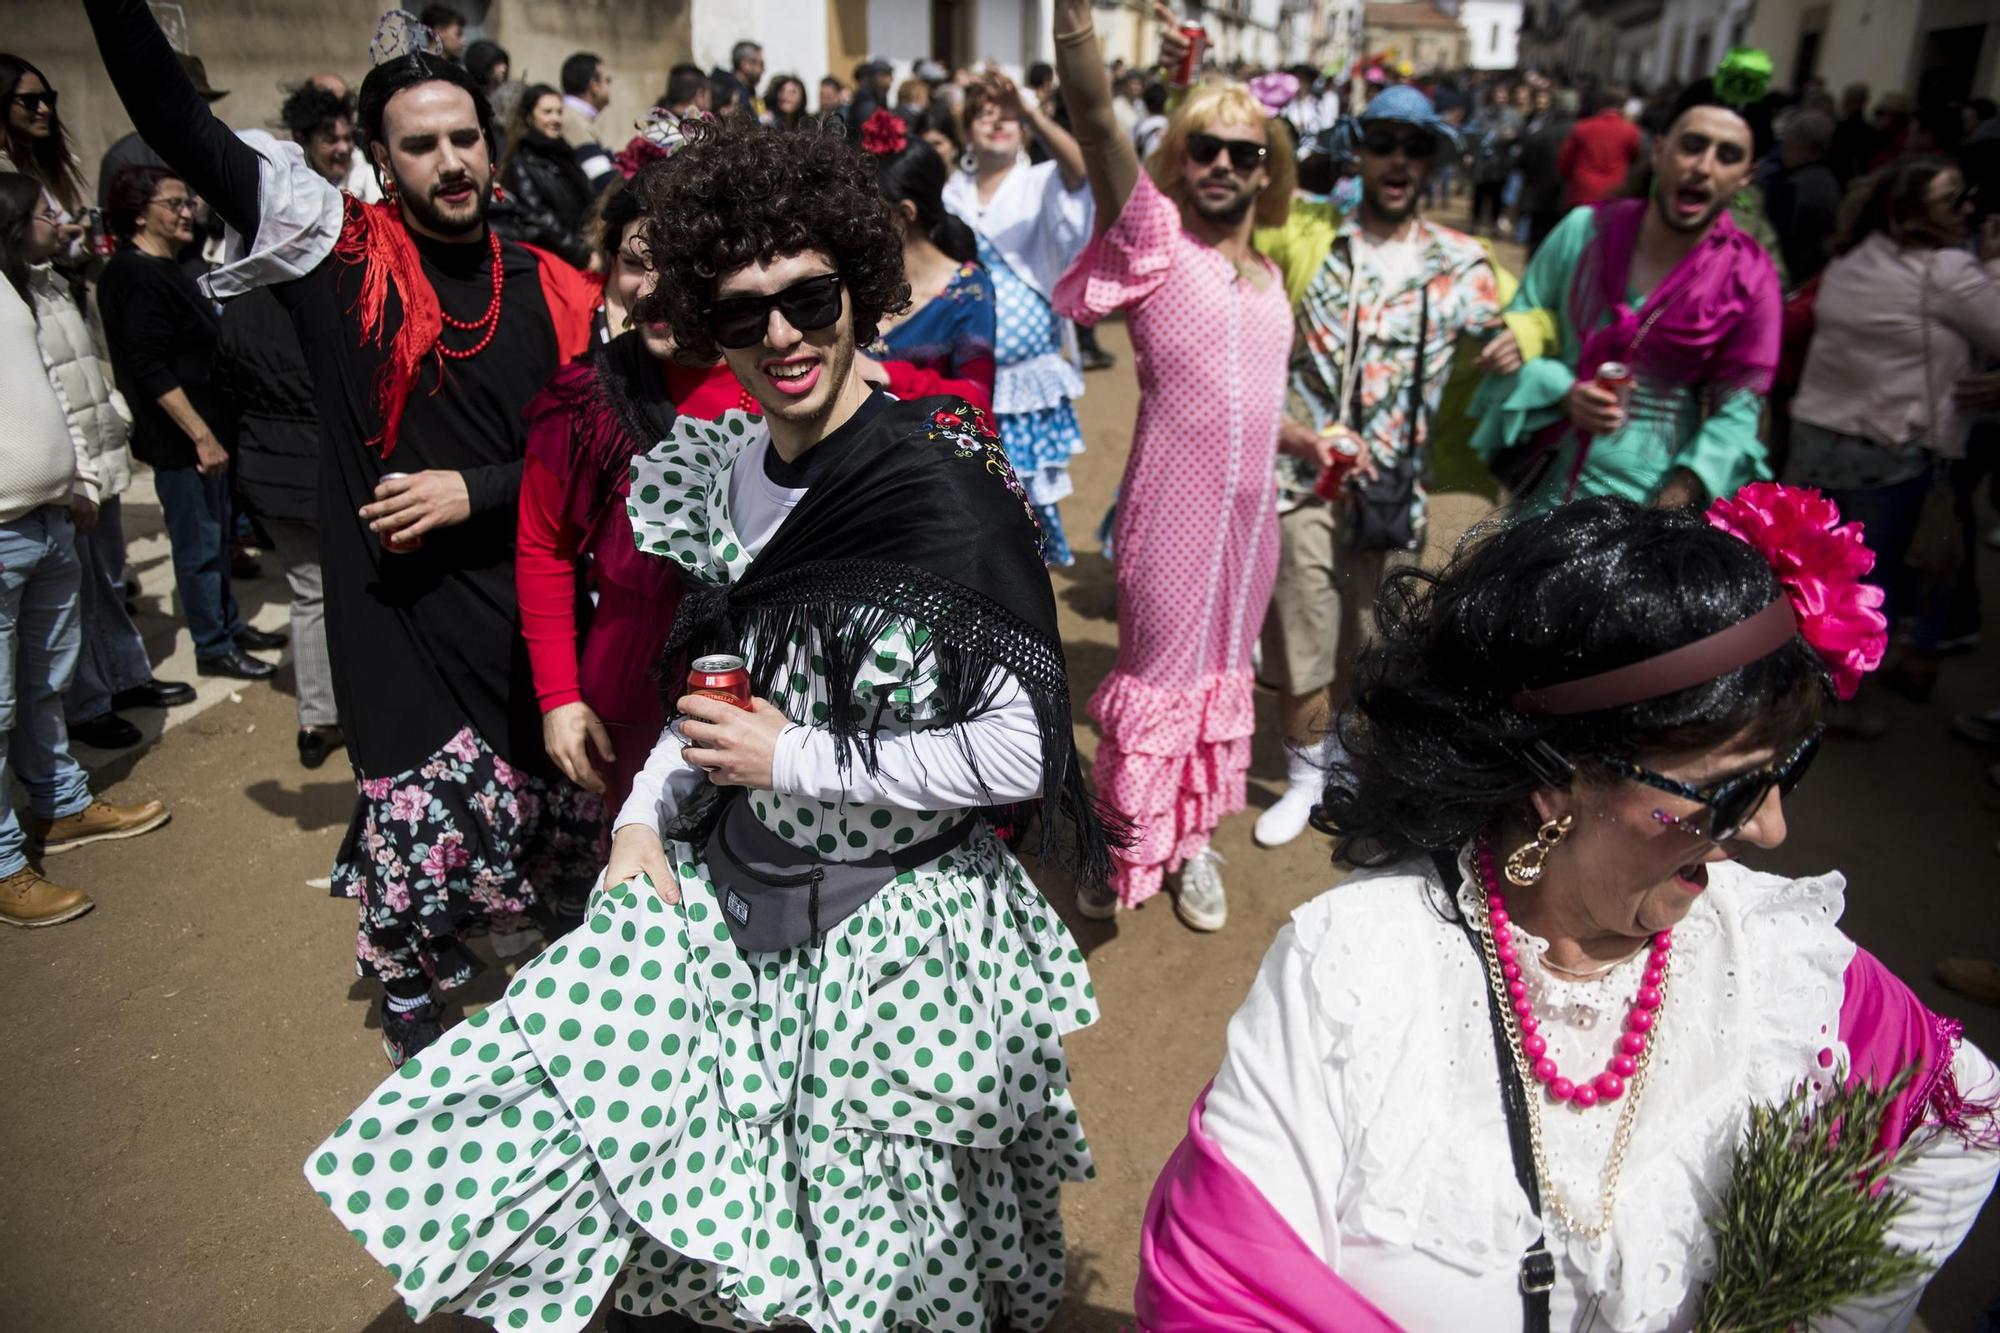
(1607, 1196)
(1575, 974)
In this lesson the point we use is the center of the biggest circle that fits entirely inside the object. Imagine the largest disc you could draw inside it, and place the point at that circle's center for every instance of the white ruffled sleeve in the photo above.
(299, 216)
(1947, 1184)
(1270, 1110)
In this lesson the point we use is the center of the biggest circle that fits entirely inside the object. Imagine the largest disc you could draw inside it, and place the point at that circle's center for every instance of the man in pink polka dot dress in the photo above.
(1197, 530)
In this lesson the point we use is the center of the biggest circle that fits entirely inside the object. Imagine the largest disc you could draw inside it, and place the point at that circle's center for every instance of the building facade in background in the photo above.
(259, 49)
(1422, 34)
(1938, 50)
(1932, 49)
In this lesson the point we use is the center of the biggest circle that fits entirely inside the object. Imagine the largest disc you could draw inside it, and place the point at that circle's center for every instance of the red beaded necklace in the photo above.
(1608, 1086)
(490, 321)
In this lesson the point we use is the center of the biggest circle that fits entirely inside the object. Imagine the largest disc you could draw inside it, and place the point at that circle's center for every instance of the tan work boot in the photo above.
(100, 821)
(1976, 977)
(28, 900)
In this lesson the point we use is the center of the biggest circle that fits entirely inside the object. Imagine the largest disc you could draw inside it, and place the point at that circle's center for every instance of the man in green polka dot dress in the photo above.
(867, 1128)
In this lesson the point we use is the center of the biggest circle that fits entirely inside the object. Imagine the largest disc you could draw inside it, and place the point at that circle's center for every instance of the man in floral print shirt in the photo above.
(1366, 289)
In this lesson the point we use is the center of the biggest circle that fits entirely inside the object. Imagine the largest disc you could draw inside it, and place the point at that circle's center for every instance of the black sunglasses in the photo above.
(35, 101)
(740, 321)
(1381, 141)
(1244, 156)
(1731, 803)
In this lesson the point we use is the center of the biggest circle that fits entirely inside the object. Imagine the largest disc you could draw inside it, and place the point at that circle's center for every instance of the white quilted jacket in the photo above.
(74, 354)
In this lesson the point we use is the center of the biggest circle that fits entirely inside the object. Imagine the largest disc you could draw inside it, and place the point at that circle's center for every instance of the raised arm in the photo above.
(1109, 159)
(170, 113)
(1062, 145)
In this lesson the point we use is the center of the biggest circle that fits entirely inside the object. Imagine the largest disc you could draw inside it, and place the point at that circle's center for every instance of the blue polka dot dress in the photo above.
(1032, 389)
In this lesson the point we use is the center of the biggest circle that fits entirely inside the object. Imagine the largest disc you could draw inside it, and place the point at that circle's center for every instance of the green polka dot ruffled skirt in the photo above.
(868, 1135)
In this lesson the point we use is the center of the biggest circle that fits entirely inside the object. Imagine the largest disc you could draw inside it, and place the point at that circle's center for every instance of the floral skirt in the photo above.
(463, 843)
(863, 1135)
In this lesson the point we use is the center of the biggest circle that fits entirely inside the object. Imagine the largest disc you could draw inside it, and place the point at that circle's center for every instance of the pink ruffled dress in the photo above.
(1197, 527)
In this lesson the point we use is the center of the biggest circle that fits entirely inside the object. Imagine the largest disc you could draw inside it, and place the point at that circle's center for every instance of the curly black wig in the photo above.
(742, 193)
(1435, 750)
(311, 107)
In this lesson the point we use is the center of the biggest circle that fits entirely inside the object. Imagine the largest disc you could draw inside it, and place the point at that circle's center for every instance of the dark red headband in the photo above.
(1670, 672)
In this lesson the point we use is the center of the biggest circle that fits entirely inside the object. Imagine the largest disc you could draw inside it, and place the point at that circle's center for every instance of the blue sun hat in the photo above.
(1406, 106)
(1401, 105)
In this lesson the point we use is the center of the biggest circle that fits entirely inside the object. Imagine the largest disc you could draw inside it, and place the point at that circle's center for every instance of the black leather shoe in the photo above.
(260, 641)
(110, 732)
(154, 694)
(235, 665)
(316, 743)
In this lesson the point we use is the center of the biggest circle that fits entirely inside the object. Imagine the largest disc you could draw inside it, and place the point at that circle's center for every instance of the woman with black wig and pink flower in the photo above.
(1497, 1078)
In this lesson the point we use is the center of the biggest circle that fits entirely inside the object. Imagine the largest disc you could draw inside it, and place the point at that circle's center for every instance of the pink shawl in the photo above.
(1216, 1257)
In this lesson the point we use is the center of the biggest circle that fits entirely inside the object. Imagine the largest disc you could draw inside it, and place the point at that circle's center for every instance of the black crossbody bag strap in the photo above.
(1538, 1266)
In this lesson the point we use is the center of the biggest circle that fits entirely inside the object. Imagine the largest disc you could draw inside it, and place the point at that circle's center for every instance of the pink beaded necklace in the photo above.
(1608, 1086)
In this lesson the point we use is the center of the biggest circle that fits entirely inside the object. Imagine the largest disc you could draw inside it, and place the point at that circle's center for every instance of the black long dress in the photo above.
(429, 667)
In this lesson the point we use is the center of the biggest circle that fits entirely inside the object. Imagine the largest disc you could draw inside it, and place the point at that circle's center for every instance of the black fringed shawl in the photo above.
(918, 515)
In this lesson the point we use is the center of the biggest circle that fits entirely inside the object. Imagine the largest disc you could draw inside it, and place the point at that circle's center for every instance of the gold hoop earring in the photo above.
(1526, 862)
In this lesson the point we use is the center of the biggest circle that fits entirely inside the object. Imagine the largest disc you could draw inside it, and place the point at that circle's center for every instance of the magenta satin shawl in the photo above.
(1718, 310)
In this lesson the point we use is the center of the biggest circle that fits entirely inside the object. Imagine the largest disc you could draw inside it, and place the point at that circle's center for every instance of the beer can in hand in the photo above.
(1345, 447)
(723, 676)
(1616, 377)
(395, 542)
(1197, 45)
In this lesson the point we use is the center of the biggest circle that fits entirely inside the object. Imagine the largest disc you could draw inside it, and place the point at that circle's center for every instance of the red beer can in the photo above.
(1346, 449)
(1616, 376)
(1197, 40)
(723, 676)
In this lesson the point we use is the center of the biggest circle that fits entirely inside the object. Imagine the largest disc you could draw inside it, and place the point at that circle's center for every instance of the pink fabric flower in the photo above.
(446, 855)
(409, 804)
(464, 745)
(1275, 91)
(504, 773)
(1819, 562)
(376, 788)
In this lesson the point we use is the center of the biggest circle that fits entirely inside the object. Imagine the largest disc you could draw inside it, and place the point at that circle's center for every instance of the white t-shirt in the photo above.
(1395, 260)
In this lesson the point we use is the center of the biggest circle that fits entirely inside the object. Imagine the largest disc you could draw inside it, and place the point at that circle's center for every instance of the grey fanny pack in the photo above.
(777, 896)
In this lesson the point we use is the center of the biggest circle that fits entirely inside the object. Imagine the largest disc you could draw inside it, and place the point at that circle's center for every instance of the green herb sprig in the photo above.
(1802, 1230)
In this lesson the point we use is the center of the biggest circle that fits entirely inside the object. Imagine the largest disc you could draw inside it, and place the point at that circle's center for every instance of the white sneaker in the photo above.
(1305, 782)
(1097, 904)
(1287, 817)
(1199, 901)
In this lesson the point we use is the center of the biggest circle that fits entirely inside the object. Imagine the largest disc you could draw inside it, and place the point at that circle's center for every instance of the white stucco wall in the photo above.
(899, 31)
(792, 33)
(1495, 28)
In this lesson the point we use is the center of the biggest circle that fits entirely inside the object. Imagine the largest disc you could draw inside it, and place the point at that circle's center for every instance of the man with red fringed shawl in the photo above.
(427, 335)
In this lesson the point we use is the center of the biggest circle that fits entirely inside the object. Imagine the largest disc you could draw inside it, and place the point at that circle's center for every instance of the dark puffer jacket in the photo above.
(265, 391)
(549, 197)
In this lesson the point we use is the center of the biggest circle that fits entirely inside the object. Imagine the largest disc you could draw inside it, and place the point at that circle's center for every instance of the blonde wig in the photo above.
(1228, 104)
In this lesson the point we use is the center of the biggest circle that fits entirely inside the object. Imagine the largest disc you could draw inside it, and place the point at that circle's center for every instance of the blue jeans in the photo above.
(39, 638)
(196, 509)
(114, 656)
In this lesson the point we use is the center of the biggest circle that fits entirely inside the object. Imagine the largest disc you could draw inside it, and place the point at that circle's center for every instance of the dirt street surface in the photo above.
(170, 1059)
